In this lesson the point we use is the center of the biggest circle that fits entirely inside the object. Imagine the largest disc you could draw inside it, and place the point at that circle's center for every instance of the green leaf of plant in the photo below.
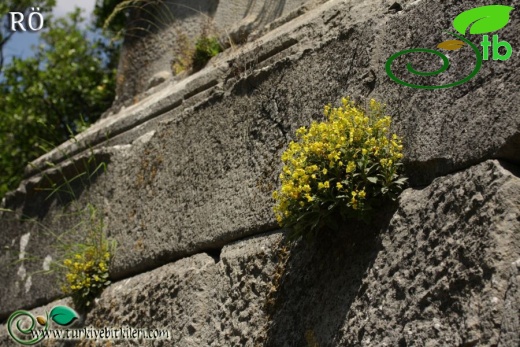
(63, 315)
(483, 19)
(372, 167)
(372, 180)
(401, 180)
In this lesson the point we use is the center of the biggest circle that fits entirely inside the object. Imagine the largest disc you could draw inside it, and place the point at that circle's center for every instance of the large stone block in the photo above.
(200, 300)
(442, 271)
(438, 269)
(448, 129)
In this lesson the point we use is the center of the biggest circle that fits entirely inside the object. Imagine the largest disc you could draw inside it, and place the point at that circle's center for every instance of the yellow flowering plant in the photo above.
(341, 168)
(86, 266)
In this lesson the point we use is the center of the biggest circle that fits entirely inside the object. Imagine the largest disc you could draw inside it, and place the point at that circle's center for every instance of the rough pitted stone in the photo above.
(178, 297)
(443, 272)
(438, 269)
(246, 274)
(201, 302)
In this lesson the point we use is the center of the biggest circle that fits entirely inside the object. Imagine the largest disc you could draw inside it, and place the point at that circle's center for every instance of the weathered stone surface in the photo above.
(179, 296)
(448, 129)
(149, 49)
(246, 273)
(205, 176)
(44, 219)
(443, 273)
(202, 301)
(209, 182)
(439, 269)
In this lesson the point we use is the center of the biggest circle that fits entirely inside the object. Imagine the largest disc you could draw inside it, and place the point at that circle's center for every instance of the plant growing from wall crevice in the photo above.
(80, 251)
(192, 53)
(86, 264)
(345, 167)
(195, 58)
(205, 49)
(84, 252)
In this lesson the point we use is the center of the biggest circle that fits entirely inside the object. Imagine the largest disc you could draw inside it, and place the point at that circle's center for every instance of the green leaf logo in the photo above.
(63, 315)
(482, 20)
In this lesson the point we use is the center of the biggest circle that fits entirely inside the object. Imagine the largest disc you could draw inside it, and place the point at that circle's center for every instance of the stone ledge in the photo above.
(172, 95)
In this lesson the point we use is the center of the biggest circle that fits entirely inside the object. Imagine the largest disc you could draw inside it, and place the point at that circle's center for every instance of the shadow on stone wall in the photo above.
(57, 186)
(154, 16)
(271, 10)
(321, 281)
(48, 208)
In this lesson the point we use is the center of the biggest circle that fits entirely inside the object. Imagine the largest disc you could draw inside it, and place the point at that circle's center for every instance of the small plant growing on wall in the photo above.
(205, 49)
(86, 264)
(342, 168)
(81, 252)
(197, 57)
(183, 58)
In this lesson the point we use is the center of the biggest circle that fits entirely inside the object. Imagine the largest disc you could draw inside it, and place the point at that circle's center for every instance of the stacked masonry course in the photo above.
(192, 165)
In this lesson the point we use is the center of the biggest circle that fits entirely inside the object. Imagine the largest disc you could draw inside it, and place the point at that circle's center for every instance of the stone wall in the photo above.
(157, 32)
(187, 196)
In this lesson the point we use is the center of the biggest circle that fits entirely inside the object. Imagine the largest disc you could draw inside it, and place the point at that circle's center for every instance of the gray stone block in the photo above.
(438, 269)
(200, 300)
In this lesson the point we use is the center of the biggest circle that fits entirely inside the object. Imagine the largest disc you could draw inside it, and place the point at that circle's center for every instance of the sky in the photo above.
(20, 44)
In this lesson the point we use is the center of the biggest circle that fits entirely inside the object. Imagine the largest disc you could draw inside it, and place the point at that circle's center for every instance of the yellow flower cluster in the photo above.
(87, 271)
(351, 157)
